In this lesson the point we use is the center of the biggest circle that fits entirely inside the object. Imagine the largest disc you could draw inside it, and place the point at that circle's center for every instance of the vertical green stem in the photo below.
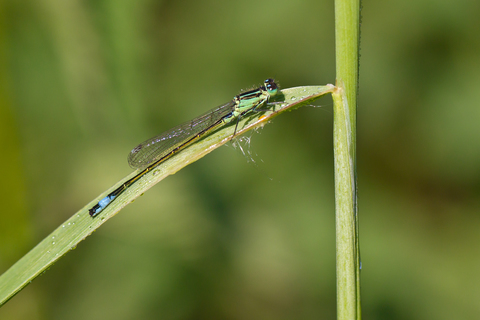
(347, 26)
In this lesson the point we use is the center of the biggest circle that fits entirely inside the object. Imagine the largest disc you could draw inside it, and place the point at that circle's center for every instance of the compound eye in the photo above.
(271, 87)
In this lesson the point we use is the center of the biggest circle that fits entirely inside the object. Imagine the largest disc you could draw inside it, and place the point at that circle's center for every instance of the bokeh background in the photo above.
(235, 237)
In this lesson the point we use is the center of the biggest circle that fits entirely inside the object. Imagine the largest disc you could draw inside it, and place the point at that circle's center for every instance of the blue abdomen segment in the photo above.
(96, 209)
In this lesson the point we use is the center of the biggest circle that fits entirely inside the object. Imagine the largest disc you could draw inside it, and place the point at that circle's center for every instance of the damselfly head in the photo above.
(271, 87)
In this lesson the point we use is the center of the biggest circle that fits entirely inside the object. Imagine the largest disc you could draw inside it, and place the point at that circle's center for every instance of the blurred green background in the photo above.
(83, 82)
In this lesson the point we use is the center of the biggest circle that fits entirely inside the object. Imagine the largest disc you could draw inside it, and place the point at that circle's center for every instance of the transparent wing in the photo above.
(158, 147)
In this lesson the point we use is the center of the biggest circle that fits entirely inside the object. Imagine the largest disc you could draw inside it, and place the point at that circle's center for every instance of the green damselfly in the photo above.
(150, 153)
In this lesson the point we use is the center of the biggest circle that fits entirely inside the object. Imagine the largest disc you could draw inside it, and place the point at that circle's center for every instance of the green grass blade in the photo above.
(347, 31)
(67, 236)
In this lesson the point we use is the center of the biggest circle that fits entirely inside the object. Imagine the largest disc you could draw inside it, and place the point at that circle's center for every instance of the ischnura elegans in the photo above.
(150, 153)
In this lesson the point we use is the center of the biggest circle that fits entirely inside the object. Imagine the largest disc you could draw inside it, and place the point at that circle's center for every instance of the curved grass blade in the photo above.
(67, 236)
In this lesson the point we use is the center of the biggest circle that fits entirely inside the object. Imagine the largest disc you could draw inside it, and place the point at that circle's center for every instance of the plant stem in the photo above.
(347, 30)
